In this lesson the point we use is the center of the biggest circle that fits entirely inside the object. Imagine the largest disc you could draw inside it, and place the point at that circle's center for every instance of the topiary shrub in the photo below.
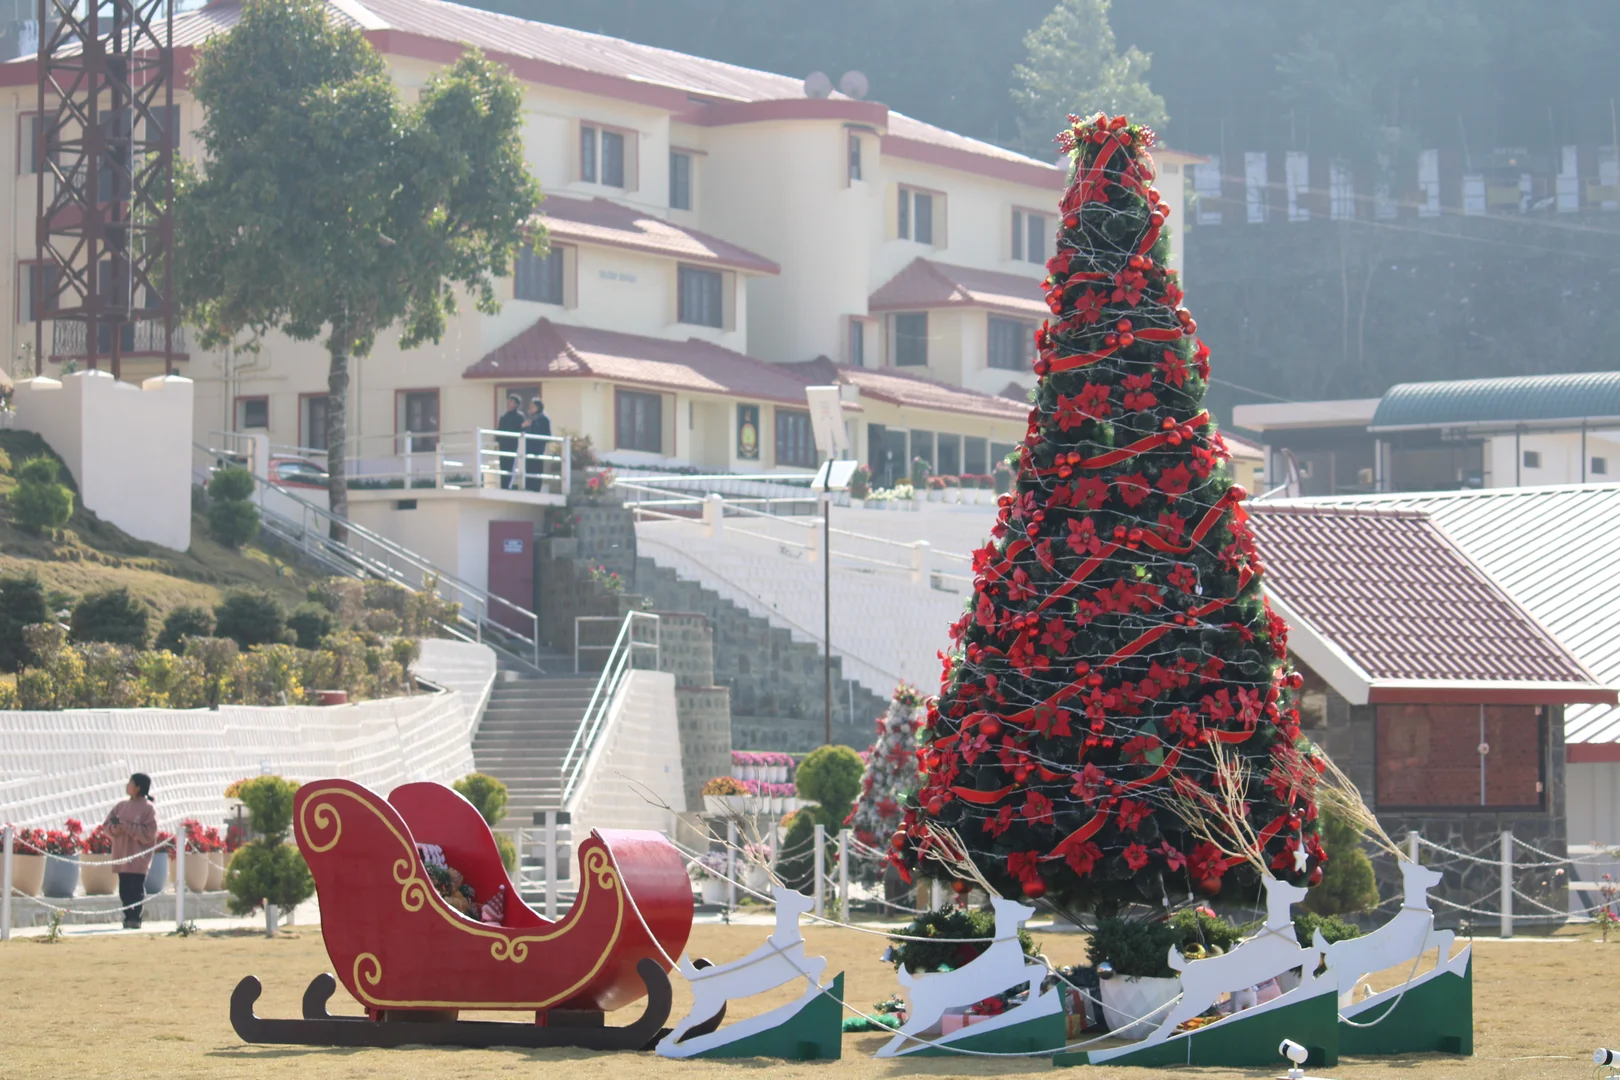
(1333, 928)
(39, 501)
(251, 617)
(22, 603)
(232, 517)
(310, 622)
(267, 870)
(831, 776)
(1348, 883)
(487, 794)
(110, 615)
(184, 622)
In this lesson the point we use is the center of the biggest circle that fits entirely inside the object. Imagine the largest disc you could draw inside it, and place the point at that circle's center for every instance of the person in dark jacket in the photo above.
(536, 424)
(511, 420)
(133, 828)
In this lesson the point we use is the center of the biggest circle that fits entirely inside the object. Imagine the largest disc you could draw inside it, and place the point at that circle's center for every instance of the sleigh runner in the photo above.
(406, 954)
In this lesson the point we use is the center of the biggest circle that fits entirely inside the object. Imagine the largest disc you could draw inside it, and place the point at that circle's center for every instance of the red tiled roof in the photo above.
(1392, 592)
(549, 350)
(602, 221)
(912, 391)
(1243, 448)
(928, 284)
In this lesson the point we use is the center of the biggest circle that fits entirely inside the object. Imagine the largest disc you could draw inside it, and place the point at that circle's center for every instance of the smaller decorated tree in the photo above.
(891, 774)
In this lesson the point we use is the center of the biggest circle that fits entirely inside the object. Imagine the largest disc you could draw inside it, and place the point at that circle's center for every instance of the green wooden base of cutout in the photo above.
(1437, 1015)
(814, 1033)
(1241, 1042)
(1032, 1036)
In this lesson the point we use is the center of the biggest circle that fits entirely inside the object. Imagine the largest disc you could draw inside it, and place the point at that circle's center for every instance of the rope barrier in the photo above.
(1607, 855)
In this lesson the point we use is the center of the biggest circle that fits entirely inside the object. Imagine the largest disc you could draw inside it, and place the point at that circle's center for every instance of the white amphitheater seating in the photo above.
(57, 765)
(885, 626)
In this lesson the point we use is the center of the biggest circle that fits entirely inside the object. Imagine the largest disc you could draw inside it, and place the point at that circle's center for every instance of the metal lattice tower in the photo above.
(107, 133)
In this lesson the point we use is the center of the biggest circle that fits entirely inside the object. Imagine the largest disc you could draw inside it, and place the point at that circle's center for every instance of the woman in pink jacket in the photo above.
(133, 828)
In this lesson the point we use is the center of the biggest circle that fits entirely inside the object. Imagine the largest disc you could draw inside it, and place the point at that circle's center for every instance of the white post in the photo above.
(936, 899)
(731, 865)
(821, 870)
(919, 562)
(551, 865)
(813, 542)
(269, 920)
(179, 879)
(1412, 848)
(714, 515)
(566, 445)
(1507, 883)
(843, 874)
(5, 883)
(517, 868)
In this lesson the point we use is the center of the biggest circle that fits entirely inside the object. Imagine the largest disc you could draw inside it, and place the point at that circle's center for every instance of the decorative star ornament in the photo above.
(1301, 860)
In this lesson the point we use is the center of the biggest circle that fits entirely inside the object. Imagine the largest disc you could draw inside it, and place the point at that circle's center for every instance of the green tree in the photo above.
(1073, 66)
(831, 777)
(328, 205)
(38, 500)
(251, 617)
(186, 621)
(1348, 883)
(110, 615)
(487, 794)
(22, 603)
(267, 870)
(232, 516)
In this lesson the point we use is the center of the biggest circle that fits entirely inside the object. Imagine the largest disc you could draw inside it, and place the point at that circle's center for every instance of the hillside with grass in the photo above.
(87, 554)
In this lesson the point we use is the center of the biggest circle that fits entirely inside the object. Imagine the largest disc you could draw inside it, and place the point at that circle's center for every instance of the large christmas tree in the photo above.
(891, 771)
(1117, 652)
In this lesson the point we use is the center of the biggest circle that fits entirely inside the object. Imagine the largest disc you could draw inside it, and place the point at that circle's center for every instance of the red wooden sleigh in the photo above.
(407, 955)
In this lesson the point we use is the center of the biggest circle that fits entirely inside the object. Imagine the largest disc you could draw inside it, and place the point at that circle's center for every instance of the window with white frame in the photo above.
(604, 156)
(1029, 233)
(910, 347)
(252, 413)
(701, 300)
(919, 215)
(1011, 344)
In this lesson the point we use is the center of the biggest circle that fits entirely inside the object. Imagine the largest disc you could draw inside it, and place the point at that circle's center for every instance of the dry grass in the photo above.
(144, 1006)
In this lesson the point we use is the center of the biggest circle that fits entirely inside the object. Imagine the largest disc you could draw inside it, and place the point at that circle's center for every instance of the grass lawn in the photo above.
(147, 1006)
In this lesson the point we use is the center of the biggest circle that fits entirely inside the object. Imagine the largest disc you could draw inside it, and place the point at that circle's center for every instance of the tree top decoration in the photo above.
(1115, 723)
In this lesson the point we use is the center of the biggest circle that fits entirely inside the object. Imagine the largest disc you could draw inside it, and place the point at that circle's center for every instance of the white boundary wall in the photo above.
(57, 765)
(636, 763)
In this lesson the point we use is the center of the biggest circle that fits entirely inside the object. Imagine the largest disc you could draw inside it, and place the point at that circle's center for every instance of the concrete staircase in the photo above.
(526, 730)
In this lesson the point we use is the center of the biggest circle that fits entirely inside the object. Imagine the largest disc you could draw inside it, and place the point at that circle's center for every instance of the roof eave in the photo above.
(1487, 692)
(1321, 655)
(762, 266)
(1541, 423)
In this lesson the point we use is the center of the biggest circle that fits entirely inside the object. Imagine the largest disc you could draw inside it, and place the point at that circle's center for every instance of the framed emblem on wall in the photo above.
(748, 432)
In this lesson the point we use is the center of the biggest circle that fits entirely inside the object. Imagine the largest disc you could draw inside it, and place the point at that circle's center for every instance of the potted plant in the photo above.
(191, 832)
(216, 859)
(906, 497)
(1138, 952)
(953, 488)
(27, 860)
(709, 872)
(921, 470)
(157, 874)
(860, 486)
(62, 848)
(987, 489)
(96, 872)
(757, 872)
(725, 795)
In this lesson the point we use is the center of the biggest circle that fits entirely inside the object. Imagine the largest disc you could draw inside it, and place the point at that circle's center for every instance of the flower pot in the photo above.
(196, 870)
(952, 495)
(27, 873)
(61, 876)
(97, 875)
(1127, 1001)
(857, 504)
(714, 891)
(216, 871)
(157, 873)
(933, 496)
(730, 805)
(756, 877)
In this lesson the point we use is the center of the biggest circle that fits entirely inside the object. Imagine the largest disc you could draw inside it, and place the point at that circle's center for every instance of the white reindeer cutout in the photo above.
(776, 963)
(999, 968)
(1406, 936)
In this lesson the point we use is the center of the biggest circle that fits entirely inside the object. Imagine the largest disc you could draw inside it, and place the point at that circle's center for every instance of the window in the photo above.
(1532, 459)
(312, 422)
(31, 148)
(417, 418)
(1459, 755)
(857, 344)
(795, 442)
(911, 339)
(854, 156)
(950, 454)
(998, 455)
(587, 154)
(539, 277)
(915, 220)
(1600, 466)
(1012, 344)
(639, 421)
(975, 456)
(680, 181)
(36, 286)
(701, 301)
(922, 446)
(163, 121)
(613, 159)
(1029, 232)
(252, 413)
(604, 156)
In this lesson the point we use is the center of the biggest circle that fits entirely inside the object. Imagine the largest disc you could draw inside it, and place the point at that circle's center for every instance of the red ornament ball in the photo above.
(1210, 886)
(1035, 888)
(898, 840)
(1316, 878)
(961, 888)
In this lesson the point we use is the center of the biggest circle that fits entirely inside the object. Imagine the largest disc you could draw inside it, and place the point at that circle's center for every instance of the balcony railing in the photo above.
(144, 338)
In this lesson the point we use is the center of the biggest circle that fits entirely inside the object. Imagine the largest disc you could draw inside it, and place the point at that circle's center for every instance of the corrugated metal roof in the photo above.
(1557, 550)
(1500, 402)
(1398, 597)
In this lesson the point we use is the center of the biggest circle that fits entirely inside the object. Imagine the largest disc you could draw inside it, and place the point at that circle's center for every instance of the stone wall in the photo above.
(1348, 733)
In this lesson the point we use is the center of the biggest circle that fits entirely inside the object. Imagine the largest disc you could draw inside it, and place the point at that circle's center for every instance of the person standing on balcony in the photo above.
(537, 427)
(133, 828)
(511, 420)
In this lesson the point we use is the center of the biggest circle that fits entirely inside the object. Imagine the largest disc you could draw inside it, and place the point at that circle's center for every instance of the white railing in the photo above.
(363, 553)
(620, 661)
(467, 460)
(579, 647)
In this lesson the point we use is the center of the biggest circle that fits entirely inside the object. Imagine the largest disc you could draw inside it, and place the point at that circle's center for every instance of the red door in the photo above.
(511, 573)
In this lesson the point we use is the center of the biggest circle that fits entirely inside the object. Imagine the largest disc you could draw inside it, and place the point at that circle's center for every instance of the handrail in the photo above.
(457, 459)
(579, 648)
(619, 664)
(359, 561)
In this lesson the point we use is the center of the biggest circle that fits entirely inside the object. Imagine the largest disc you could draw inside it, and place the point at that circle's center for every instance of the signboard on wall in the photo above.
(748, 432)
